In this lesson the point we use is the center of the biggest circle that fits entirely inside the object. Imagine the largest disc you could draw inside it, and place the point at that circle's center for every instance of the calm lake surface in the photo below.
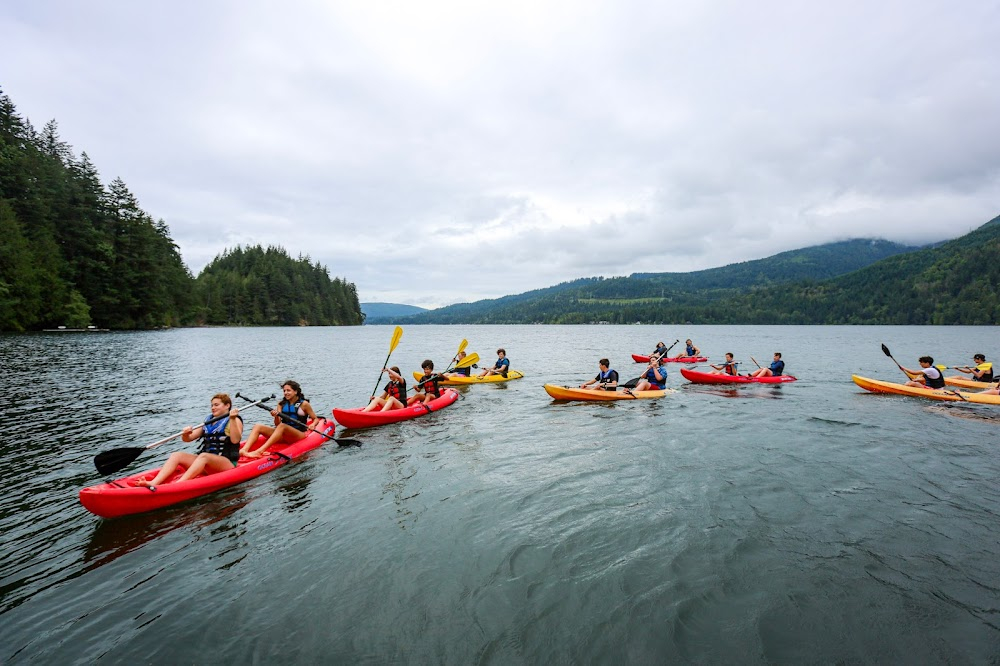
(805, 523)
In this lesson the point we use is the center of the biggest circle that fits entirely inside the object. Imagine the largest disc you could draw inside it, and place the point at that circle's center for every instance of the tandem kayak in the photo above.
(698, 377)
(356, 418)
(968, 383)
(466, 381)
(120, 498)
(877, 386)
(639, 358)
(600, 395)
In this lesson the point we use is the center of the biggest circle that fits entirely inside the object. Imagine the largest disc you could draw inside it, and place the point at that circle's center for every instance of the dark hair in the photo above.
(778, 354)
(395, 369)
(978, 357)
(729, 354)
(605, 362)
(295, 387)
(927, 359)
(427, 364)
(502, 351)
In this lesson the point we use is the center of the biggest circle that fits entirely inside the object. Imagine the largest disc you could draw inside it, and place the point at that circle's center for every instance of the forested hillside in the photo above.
(666, 297)
(76, 253)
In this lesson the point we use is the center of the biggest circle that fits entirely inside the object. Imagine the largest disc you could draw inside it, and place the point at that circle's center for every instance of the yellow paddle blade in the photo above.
(461, 347)
(471, 359)
(396, 335)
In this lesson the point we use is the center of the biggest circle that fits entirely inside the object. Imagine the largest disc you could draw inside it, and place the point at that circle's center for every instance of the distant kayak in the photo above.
(356, 418)
(120, 498)
(466, 381)
(877, 386)
(639, 358)
(575, 393)
(697, 377)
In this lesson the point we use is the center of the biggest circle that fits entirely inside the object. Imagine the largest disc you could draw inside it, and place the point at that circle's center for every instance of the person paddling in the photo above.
(394, 395)
(983, 372)
(459, 372)
(776, 368)
(932, 377)
(689, 349)
(219, 450)
(727, 368)
(606, 379)
(500, 367)
(655, 377)
(292, 406)
(428, 387)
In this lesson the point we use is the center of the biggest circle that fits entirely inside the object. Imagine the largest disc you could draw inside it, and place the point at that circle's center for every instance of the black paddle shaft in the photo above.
(340, 442)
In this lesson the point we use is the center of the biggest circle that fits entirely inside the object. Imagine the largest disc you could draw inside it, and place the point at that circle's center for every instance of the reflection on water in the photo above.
(711, 524)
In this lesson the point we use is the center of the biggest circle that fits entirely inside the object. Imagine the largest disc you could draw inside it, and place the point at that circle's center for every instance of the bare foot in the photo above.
(253, 454)
(143, 483)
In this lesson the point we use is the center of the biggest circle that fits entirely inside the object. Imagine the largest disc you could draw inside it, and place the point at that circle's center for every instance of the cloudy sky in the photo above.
(438, 152)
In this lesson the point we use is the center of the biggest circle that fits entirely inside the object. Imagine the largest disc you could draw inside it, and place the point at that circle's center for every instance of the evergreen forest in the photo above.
(76, 253)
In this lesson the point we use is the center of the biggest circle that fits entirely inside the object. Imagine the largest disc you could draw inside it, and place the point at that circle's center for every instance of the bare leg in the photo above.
(392, 403)
(208, 463)
(283, 433)
(255, 434)
(374, 404)
(176, 459)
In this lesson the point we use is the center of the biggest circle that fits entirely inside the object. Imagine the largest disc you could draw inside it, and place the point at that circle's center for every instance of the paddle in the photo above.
(396, 335)
(340, 441)
(109, 462)
(454, 359)
(632, 383)
(469, 360)
(885, 350)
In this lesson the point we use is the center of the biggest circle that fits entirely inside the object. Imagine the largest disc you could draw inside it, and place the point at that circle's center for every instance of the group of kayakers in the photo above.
(932, 376)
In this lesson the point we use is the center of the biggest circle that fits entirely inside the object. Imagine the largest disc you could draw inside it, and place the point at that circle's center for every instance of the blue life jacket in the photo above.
(290, 410)
(689, 350)
(215, 439)
(651, 376)
(779, 366)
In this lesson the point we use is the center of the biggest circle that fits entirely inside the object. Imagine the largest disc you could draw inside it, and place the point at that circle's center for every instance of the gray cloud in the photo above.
(434, 153)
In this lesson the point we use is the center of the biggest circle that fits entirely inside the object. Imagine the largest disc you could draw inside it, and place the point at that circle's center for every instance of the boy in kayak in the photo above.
(932, 377)
(727, 368)
(219, 450)
(394, 394)
(983, 372)
(655, 377)
(427, 387)
(689, 349)
(777, 367)
(606, 379)
(459, 372)
(500, 367)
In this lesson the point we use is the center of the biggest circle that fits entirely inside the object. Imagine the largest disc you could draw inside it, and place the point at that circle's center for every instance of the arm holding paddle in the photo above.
(654, 379)
(606, 379)
(394, 394)
(292, 406)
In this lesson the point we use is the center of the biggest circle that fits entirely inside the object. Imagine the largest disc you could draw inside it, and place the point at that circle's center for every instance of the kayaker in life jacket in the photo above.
(500, 367)
(606, 379)
(428, 387)
(459, 372)
(394, 395)
(727, 368)
(689, 349)
(932, 377)
(655, 377)
(292, 406)
(660, 351)
(776, 368)
(983, 372)
(219, 449)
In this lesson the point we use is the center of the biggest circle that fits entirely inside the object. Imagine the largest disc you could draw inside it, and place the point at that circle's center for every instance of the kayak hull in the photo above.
(968, 383)
(119, 497)
(575, 393)
(877, 386)
(357, 418)
(468, 381)
(639, 358)
(697, 377)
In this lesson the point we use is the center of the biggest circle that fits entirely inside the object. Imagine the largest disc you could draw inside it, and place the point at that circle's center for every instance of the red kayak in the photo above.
(356, 418)
(120, 498)
(639, 358)
(711, 378)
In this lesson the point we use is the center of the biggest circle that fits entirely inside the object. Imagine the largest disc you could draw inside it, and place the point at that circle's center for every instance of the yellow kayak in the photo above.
(576, 393)
(877, 386)
(465, 381)
(968, 383)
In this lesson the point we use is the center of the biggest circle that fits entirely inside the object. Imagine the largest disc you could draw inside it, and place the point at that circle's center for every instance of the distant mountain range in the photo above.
(391, 310)
(860, 281)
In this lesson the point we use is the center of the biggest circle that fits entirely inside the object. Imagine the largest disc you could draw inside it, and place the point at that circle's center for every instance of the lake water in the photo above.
(809, 522)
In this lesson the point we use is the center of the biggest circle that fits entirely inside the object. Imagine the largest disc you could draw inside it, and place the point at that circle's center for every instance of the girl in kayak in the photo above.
(394, 395)
(777, 367)
(606, 378)
(689, 349)
(428, 387)
(932, 377)
(500, 367)
(660, 351)
(727, 368)
(655, 377)
(292, 406)
(219, 449)
(459, 372)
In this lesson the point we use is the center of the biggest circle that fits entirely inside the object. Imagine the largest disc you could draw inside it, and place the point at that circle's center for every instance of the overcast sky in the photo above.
(439, 152)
